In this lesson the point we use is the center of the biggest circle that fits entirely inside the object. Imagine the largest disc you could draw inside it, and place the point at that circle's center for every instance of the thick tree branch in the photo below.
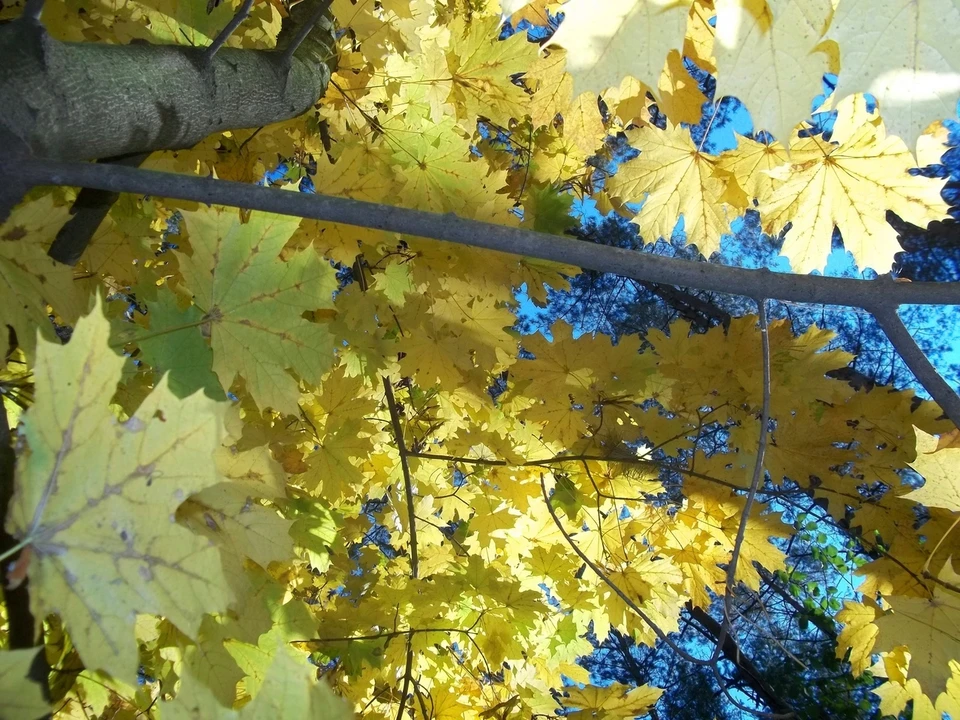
(88, 211)
(92, 100)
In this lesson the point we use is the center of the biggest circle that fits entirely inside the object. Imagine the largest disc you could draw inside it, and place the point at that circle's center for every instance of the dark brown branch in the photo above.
(744, 665)
(20, 619)
(88, 211)
(405, 466)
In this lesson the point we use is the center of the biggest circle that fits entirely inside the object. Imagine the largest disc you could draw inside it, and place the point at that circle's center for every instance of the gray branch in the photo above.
(877, 296)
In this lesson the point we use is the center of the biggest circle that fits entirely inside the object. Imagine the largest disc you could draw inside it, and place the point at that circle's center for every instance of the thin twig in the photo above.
(407, 485)
(754, 482)
(407, 672)
(227, 31)
(613, 586)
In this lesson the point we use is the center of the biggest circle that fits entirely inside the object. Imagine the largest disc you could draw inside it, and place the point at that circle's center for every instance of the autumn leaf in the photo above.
(29, 278)
(681, 181)
(630, 37)
(23, 698)
(850, 186)
(897, 51)
(106, 545)
(929, 627)
(938, 466)
(252, 302)
(768, 57)
(613, 701)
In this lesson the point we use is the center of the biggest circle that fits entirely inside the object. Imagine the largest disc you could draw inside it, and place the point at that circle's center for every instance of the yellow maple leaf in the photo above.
(931, 626)
(613, 701)
(680, 180)
(850, 186)
(680, 96)
(767, 57)
(482, 68)
(252, 302)
(939, 469)
(23, 698)
(630, 37)
(29, 278)
(897, 51)
(105, 544)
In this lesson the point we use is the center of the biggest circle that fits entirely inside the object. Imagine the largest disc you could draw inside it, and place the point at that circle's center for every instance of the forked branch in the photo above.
(881, 296)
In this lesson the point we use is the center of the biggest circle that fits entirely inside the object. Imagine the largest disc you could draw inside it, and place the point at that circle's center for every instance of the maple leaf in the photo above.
(896, 50)
(613, 701)
(481, 69)
(106, 545)
(680, 180)
(252, 302)
(630, 37)
(851, 186)
(767, 56)
(184, 356)
(29, 278)
(289, 689)
(931, 627)
(22, 697)
(938, 466)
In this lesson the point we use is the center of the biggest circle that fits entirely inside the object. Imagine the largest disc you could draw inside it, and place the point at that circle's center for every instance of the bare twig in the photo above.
(616, 588)
(227, 31)
(407, 672)
(754, 482)
(407, 485)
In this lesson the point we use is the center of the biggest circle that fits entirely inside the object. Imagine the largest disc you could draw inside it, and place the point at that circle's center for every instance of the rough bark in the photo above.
(82, 101)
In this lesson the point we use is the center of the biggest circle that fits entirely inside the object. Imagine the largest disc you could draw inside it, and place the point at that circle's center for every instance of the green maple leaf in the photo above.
(184, 355)
(253, 302)
(96, 501)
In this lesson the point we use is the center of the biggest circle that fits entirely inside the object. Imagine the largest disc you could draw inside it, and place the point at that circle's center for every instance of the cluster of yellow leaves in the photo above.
(916, 630)
(292, 522)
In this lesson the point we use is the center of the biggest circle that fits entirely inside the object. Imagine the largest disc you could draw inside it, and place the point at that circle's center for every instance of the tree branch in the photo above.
(813, 289)
(405, 466)
(22, 632)
(915, 359)
(744, 665)
(82, 101)
(880, 297)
